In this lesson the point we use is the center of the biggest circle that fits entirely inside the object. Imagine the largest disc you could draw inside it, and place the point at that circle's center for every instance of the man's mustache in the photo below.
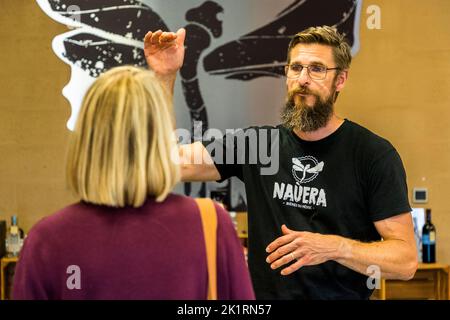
(301, 91)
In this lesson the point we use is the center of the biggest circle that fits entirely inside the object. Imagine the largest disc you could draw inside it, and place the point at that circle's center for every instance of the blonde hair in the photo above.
(327, 36)
(120, 151)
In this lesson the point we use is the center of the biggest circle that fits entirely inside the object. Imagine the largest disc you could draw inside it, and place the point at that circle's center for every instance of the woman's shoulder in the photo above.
(82, 216)
(190, 203)
(57, 219)
(49, 231)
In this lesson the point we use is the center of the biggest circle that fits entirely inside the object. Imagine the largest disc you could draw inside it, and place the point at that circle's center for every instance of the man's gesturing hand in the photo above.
(164, 51)
(304, 248)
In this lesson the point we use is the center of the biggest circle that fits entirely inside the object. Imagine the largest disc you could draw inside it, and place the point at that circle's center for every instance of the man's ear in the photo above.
(341, 79)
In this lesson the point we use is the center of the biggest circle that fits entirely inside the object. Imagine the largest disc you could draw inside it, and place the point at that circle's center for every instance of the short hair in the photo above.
(121, 149)
(327, 36)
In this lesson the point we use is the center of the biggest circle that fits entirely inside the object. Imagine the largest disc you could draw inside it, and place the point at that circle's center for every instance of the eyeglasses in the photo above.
(315, 71)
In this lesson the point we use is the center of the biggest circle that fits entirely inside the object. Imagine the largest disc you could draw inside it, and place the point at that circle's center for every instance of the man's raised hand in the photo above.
(164, 51)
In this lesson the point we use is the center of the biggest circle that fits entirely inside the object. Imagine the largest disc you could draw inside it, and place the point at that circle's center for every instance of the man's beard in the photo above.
(307, 118)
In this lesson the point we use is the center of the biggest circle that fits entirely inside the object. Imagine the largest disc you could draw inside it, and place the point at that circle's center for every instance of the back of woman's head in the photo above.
(120, 151)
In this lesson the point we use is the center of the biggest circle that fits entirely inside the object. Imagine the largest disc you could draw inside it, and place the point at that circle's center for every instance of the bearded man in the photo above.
(334, 217)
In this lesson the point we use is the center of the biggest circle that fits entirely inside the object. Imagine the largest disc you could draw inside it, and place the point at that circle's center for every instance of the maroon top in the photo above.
(156, 251)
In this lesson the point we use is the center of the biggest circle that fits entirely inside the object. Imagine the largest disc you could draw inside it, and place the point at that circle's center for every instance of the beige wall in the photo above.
(33, 114)
(399, 87)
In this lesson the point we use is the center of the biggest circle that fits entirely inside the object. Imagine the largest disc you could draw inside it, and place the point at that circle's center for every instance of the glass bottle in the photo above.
(428, 240)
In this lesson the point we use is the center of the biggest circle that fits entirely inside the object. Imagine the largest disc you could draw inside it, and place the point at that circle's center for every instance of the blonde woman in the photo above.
(128, 237)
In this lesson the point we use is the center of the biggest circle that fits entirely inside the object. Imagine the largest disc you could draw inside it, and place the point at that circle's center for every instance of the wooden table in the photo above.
(3, 264)
(431, 281)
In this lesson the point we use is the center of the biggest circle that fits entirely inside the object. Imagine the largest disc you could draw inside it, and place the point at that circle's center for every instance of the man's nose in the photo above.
(304, 78)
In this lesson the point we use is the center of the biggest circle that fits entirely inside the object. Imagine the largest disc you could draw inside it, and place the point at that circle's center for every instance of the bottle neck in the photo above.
(428, 216)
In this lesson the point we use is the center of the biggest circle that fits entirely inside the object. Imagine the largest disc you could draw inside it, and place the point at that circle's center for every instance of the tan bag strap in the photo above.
(209, 223)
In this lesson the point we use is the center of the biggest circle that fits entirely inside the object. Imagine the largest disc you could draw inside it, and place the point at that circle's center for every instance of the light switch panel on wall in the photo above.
(420, 195)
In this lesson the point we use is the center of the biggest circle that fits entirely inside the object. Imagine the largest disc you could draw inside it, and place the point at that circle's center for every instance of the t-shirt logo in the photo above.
(306, 169)
(298, 195)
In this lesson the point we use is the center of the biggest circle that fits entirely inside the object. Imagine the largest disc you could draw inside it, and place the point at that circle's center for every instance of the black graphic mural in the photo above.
(109, 33)
(262, 52)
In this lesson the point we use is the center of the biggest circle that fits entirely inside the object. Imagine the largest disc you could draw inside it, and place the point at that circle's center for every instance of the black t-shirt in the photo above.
(339, 185)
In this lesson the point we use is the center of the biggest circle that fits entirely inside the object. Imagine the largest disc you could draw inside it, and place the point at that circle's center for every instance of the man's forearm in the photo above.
(168, 81)
(196, 163)
(395, 258)
(164, 52)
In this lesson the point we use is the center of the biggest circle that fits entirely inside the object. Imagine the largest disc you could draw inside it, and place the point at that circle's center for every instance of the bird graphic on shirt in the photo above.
(298, 166)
